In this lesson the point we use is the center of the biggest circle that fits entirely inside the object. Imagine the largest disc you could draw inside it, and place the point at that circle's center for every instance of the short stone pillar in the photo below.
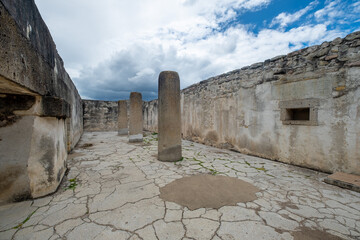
(169, 117)
(135, 118)
(122, 118)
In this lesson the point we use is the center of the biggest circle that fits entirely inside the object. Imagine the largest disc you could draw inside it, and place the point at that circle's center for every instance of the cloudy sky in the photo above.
(113, 47)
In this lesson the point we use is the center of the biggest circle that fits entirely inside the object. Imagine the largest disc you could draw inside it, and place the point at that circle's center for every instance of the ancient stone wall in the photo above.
(40, 108)
(100, 115)
(150, 115)
(103, 115)
(301, 108)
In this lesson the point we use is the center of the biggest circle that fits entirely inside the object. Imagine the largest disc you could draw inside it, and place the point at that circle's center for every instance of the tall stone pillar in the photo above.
(136, 118)
(169, 117)
(122, 118)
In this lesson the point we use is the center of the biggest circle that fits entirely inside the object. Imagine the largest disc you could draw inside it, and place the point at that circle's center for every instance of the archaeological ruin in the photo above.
(301, 108)
(297, 110)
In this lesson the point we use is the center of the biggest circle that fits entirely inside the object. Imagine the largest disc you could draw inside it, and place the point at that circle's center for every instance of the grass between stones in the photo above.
(26, 219)
(73, 184)
(212, 170)
(259, 168)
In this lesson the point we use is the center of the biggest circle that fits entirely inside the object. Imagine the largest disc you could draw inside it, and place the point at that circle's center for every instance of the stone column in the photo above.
(169, 117)
(122, 118)
(136, 118)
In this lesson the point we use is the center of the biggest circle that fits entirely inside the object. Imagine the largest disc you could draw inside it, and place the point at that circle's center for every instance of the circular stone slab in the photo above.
(208, 191)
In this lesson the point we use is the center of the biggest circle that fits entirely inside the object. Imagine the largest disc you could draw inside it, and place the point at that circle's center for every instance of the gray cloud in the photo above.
(135, 69)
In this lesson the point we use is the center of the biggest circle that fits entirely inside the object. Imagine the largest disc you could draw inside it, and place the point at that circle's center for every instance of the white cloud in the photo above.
(139, 66)
(284, 19)
(142, 75)
(89, 31)
(332, 10)
(356, 7)
(112, 47)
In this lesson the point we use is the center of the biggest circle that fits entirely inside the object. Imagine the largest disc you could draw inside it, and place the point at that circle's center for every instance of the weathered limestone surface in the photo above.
(100, 115)
(117, 197)
(30, 64)
(135, 118)
(40, 108)
(169, 118)
(150, 115)
(245, 110)
(123, 128)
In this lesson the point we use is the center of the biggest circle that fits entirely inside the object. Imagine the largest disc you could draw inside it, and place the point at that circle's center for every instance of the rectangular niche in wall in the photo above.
(299, 112)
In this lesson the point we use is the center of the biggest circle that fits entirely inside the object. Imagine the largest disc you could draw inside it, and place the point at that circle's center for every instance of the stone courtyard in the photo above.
(111, 191)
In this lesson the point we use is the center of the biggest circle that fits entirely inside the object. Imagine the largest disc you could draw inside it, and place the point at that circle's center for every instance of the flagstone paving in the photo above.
(112, 192)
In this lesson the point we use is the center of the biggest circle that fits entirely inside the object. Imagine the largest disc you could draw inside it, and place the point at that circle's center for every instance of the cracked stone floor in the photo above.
(112, 192)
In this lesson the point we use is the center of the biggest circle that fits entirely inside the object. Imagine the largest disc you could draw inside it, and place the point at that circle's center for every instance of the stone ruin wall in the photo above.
(150, 114)
(40, 108)
(100, 115)
(103, 115)
(255, 110)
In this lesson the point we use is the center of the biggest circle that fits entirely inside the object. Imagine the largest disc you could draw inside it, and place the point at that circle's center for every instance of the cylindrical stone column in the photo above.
(169, 117)
(122, 118)
(135, 118)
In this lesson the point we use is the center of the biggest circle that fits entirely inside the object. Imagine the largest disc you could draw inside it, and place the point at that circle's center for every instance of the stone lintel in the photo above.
(344, 180)
(55, 107)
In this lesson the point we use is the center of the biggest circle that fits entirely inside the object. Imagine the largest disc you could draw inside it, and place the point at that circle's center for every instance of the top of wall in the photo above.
(327, 57)
(98, 101)
(28, 54)
(32, 27)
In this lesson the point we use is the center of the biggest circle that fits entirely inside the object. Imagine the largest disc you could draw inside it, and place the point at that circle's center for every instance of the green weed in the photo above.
(181, 159)
(261, 169)
(23, 222)
(73, 184)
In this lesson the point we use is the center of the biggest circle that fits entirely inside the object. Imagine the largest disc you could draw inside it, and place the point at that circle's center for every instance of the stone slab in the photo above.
(344, 180)
(135, 138)
(208, 191)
